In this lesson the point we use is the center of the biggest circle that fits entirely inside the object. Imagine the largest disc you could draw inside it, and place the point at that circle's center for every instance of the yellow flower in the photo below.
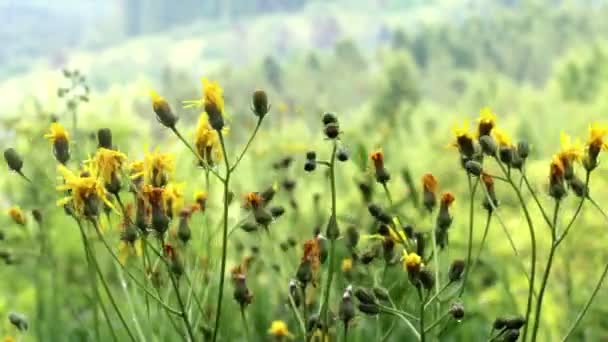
(9, 339)
(158, 167)
(347, 264)
(84, 189)
(174, 197)
(596, 136)
(207, 140)
(213, 94)
(570, 152)
(200, 197)
(157, 100)
(486, 122)
(503, 139)
(412, 262)
(463, 139)
(107, 163)
(57, 132)
(279, 329)
(17, 215)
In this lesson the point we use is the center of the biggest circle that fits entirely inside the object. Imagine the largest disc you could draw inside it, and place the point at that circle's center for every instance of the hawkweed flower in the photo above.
(489, 203)
(456, 270)
(163, 111)
(104, 138)
(60, 139)
(279, 330)
(412, 263)
(382, 175)
(505, 146)
(595, 144)
(13, 159)
(241, 294)
(156, 199)
(347, 265)
(129, 244)
(464, 140)
(176, 266)
(570, 153)
(108, 165)
(212, 102)
(173, 196)
(352, 237)
(200, 198)
(85, 192)
(310, 262)
(426, 278)
(444, 219)
(158, 168)
(17, 215)
(557, 172)
(184, 232)
(486, 122)
(429, 187)
(346, 312)
(207, 141)
(136, 174)
(255, 202)
(260, 104)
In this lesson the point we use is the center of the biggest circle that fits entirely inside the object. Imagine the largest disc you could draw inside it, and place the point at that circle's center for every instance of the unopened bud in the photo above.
(18, 320)
(13, 159)
(473, 167)
(104, 138)
(260, 103)
(457, 311)
(488, 145)
(456, 270)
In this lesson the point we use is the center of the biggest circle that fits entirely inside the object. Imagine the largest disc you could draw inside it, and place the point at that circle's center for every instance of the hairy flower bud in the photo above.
(13, 159)
(457, 311)
(260, 102)
(456, 270)
(104, 138)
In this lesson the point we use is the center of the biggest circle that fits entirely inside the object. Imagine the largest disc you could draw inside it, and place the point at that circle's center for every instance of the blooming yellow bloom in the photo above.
(570, 152)
(597, 132)
(57, 132)
(503, 139)
(412, 262)
(207, 140)
(157, 100)
(158, 167)
(213, 94)
(174, 198)
(107, 163)
(486, 122)
(463, 139)
(17, 215)
(279, 329)
(347, 264)
(84, 190)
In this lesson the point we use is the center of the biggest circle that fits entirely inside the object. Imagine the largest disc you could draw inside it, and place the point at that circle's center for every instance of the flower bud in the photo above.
(427, 278)
(456, 270)
(523, 149)
(368, 256)
(262, 216)
(277, 211)
(346, 311)
(183, 230)
(505, 153)
(488, 145)
(37, 214)
(160, 221)
(163, 111)
(352, 237)
(216, 120)
(260, 103)
(18, 320)
(473, 167)
(294, 292)
(578, 187)
(61, 150)
(511, 335)
(365, 296)
(332, 130)
(515, 322)
(13, 159)
(369, 309)
(241, 294)
(310, 165)
(381, 293)
(457, 311)
(249, 227)
(304, 273)
(342, 154)
(104, 138)
(420, 243)
(499, 323)
(332, 231)
(329, 118)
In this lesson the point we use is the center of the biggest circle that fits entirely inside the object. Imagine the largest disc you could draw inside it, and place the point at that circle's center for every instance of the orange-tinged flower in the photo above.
(488, 181)
(312, 253)
(57, 132)
(377, 158)
(557, 169)
(429, 183)
(158, 167)
(253, 200)
(486, 122)
(83, 189)
(447, 199)
(17, 215)
(207, 141)
(174, 198)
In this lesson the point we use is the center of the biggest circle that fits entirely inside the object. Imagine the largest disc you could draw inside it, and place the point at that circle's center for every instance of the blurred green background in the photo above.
(398, 73)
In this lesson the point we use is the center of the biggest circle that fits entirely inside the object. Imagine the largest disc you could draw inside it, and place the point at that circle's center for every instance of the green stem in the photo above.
(437, 277)
(542, 210)
(104, 284)
(532, 246)
(483, 239)
(200, 159)
(245, 325)
(226, 182)
(332, 245)
(436, 323)
(422, 332)
(255, 131)
(180, 302)
(545, 280)
(293, 307)
(472, 190)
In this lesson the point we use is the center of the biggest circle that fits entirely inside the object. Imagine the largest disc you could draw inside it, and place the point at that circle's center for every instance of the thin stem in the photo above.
(472, 190)
(180, 302)
(226, 182)
(255, 131)
(421, 312)
(245, 325)
(542, 210)
(436, 323)
(483, 239)
(543, 284)
(293, 307)
(103, 280)
(436, 265)
(332, 244)
(532, 246)
(388, 194)
(436, 295)
(404, 318)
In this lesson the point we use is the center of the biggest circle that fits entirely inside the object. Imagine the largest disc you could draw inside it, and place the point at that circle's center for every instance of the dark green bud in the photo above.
(216, 120)
(381, 293)
(473, 167)
(427, 278)
(260, 103)
(332, 231)
(18, 320)
(457, 311)
(342, 154)
(329, 118)
(523, 149)
(104, 138)
(511, 335)
(369, 309)
(365, 296)
(456, 270)
(13, 159)
(488, 145)
(578, 187)
(346, 312)
(332, 130)
(515, 322)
